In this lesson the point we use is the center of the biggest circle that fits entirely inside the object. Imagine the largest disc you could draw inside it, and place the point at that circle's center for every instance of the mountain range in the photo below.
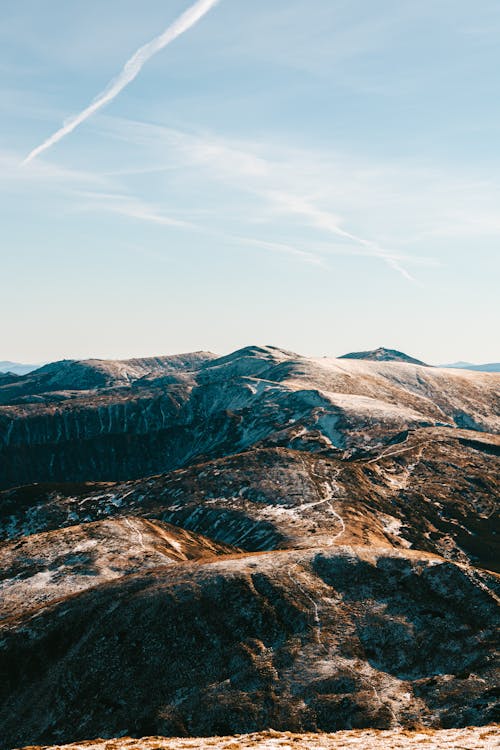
(197, 545)
(16, 368)
(487, 367)
(382, 354)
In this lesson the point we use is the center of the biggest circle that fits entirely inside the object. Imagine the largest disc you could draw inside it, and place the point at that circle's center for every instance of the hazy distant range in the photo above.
(19, 368)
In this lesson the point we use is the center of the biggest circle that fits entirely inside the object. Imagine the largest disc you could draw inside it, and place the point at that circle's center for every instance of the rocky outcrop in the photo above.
(42, 568)
(384, 355)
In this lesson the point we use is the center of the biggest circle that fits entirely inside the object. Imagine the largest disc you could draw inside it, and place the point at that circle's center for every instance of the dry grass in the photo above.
(470, 738)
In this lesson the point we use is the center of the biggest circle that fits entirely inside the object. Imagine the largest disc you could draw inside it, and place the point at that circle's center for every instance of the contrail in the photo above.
(130, 70)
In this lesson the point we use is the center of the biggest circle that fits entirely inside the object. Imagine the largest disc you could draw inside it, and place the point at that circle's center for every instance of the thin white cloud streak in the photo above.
(130, 70)
(234, 161)
(279, 247)
(243, 166)
(267, 179)
(329, 222)
(46, 173)
(132, 208)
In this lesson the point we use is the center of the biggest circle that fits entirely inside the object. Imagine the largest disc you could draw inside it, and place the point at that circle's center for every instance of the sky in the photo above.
(320, 175)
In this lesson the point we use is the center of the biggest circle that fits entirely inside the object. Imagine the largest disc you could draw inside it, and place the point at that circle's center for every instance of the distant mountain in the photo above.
(384, 355)
(118, 420)
(17, 367)
(487, 367)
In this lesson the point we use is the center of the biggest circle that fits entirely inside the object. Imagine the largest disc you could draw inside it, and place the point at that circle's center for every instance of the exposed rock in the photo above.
(211, 546)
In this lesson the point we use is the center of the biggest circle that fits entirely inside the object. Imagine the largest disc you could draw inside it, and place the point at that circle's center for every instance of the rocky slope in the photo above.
(41, 568)
(83, 421)
(436, 490)
(202, 545)
(322, 639)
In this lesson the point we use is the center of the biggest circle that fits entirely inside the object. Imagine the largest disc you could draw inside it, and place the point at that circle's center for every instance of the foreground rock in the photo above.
(470, 738)
(323, 639)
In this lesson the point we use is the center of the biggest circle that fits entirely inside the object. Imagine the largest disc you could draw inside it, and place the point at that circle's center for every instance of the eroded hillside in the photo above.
(196, 545)
(319, 639)
(93, 420)
(435, 490)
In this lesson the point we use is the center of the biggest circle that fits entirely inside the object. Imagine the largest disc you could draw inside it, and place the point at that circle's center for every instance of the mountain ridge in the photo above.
(162, 414)
(486, 367)
(16, 368)
(201, 545)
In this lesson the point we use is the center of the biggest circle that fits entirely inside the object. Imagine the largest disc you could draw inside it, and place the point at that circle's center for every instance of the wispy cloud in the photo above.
(314, 254)
(274, 180)
(278, 194)
(133, 208)
(52, 177)
(130, 70)
(278, 247)
(331, 223)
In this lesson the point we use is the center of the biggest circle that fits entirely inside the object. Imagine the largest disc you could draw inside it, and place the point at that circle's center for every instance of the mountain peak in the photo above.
(382, 354)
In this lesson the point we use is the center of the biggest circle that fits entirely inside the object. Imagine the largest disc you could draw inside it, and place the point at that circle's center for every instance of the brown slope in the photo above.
(468, 738)
(436, 490)
(324, 639)
(39, 569)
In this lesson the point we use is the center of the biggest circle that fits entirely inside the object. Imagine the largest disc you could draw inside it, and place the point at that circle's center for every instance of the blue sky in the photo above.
(319, 175)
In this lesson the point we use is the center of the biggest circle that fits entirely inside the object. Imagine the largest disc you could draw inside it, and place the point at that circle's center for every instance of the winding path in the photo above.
(317, 621)
(139, 535)
(328, 494)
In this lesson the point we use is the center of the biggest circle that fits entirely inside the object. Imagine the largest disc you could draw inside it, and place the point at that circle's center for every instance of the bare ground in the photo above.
(469, 738)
